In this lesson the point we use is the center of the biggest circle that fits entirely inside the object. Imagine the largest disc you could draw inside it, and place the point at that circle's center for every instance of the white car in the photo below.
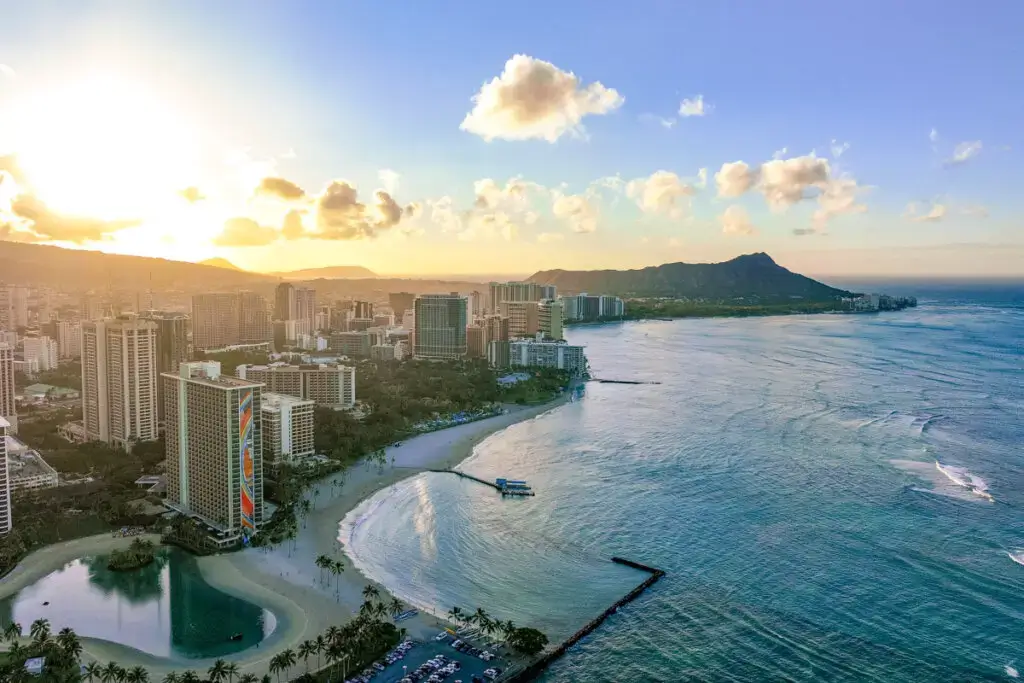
(441, 636)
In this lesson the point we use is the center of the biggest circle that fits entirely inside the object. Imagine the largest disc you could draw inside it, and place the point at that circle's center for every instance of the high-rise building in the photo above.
(383, 320)
(400, 303)
(214, 320)
(440, 331)
(325, 385)
(305, 310)
(119, 381)
(284, 302)
(214, 448)
(40, 350)
(549, 318)
(171, 339)
(254, 323)
(363, 310)
(505, 292)
(476, 341)
(497, 328)
(13, 307)
(6, 521)
(523, 318)
(287, 428)
(352, 344)
(611, 307)
(498, 353)
(475, 301)
(548, 292)
(8, 408)
(547, 354)
(570, 307)
(69, 339)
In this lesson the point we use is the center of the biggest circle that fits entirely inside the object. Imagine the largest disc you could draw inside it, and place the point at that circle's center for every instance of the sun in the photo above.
(105, 148)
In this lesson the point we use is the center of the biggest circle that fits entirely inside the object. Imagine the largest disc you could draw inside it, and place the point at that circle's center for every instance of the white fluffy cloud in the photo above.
(578, 210)
(784, 182)
(694, 107)
(341, 216)
(534, 99)
(514, 195)
(663, 192)
(389, 179)
(735, 221)
(936, 212)
(444, 215)
(837, 148)
(964, 152)
(735, 178)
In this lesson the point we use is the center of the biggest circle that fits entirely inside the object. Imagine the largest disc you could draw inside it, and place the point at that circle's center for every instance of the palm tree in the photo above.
(337, 567)
(288, 659)
(112, 673)
(321, 645)
(39, 631)
(306, 648)
(16, 652)
(216, 673)
(248, 678)
(396, 607)
(456, 615)
(93, 671)
(370, 592)
(68, 641)
(190, 677)
(12, 631)
(231, 669)
(322, 562)
(266, 679)
(480, 617)
(508, 628)
(276, 666)
(137, 675)
(172, 678)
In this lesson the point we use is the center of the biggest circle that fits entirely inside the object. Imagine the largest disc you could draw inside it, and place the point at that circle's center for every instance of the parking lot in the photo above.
(469, 666)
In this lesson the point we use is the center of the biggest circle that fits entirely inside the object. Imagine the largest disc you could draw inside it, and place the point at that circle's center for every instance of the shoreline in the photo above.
(284, 579)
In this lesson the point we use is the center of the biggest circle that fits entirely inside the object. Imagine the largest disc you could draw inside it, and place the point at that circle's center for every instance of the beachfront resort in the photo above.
(217, 486)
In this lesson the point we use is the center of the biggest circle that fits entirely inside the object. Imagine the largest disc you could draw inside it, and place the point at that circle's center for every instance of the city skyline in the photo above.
(189, 133)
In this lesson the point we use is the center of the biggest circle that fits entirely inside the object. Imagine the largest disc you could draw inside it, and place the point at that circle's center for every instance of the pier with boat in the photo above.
(506, 487)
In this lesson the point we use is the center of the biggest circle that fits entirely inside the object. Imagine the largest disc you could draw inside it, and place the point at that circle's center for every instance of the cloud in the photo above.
(838, 197)
(702, 179)
(975, 211)
(49, 225)
(534, 99)
(837, 148)
(735, 221)
(192, 195)
(514, 195)
(735, 178)
(663, 192)
(389, 179)
(780, 153)
(933, 135)
(694, 107)
(549, 237)
(675, 242)
(578, 210)
(280, 188)
(935, 213)
(784, 182)
(963, 153)
(293, 227)
(800, 232)
(496, 223)
(654, 119)
(341, 216)
(444, 215)
(245, 232)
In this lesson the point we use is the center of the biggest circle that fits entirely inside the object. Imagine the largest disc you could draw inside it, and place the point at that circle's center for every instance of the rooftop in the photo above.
(277, 401)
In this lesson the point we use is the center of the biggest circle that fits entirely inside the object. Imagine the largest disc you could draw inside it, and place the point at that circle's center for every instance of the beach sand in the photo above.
(285, 579)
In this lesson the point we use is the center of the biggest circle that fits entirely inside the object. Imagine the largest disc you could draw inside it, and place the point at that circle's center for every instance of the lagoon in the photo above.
(165, 609)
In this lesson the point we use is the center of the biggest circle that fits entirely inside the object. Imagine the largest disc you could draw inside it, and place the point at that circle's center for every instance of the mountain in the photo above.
(38, 265)
(218, 262)
(328, 273)
(750, 277)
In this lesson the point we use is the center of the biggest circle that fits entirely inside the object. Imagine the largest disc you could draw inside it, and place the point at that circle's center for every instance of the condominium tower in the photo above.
(8, 408)
(287, 428)
(326, 385)
(119, 381)
(440, 331)
(5, 481)
(224, 319)
(504, 292)
(214, 448)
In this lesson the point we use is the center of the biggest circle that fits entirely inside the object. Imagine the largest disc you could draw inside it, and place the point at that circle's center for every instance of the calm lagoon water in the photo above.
(165, 609)
(783, 474)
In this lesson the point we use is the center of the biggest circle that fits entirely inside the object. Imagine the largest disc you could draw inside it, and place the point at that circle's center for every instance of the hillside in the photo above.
(38, 265)
(328, 273)
(218, 262)
(752, 277)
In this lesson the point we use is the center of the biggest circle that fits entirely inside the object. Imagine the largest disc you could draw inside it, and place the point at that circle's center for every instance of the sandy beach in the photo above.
(285, 579)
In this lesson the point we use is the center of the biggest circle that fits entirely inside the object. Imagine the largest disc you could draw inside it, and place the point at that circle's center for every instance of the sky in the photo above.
(842, 138)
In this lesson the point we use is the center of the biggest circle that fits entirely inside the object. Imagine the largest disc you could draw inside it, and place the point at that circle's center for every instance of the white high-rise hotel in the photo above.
(5, 481)
(119, 381)
(8, 409)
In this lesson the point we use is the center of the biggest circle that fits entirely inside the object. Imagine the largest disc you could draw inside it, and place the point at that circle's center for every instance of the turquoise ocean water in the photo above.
(783, 474)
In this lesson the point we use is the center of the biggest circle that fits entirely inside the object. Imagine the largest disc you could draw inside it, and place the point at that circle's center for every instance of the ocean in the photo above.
(782, 474)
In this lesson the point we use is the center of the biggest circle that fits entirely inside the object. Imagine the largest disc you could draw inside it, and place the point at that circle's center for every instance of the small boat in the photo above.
(235, 637)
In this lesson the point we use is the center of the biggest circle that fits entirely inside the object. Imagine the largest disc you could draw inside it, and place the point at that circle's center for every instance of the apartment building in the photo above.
(440, 326)
(69, 339)
(287, 428)
(326, 385)
(6, 521)
(8, 407)
(120, 388)
(41, 351)
(547, 354)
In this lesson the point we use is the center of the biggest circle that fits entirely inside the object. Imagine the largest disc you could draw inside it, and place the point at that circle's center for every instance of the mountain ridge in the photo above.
(328, 273)
(749, 277)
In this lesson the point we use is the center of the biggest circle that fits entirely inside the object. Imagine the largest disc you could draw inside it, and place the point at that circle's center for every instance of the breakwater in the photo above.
(622, 381)
(535, 668)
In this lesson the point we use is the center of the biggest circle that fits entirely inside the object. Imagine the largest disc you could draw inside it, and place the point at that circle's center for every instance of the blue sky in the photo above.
(318, 91)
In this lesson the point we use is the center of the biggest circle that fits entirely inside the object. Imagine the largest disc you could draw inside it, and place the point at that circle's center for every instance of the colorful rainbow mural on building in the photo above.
(248, 487)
